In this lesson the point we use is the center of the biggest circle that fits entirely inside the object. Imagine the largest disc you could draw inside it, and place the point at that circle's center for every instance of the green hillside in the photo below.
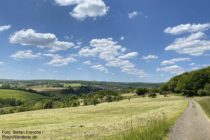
(19, 95)
(190, 83)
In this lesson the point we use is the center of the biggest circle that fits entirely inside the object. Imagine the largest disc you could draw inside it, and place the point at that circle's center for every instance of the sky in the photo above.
(103, 40)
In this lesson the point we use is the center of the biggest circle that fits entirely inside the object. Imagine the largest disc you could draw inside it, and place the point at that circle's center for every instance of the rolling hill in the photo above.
(190, 83)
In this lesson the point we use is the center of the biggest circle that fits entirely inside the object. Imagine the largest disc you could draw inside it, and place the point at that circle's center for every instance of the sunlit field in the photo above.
(19, 95)
(104, 121)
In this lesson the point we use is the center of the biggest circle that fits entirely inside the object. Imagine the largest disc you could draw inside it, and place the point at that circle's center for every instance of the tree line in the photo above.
(72, 100)
(195, 83)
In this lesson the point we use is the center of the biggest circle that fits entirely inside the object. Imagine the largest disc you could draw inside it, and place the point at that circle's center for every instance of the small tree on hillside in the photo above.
(141, 91)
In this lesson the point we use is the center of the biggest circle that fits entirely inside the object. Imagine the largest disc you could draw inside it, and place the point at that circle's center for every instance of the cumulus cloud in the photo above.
(30, 37)
(187, 28)
(59, 61)
(129, 55)
(85, 8)
(113, 54)
(104, 48)
(87, 63)
(150, 57)
(194, 44)
(174, 69)
(174, 60)
(126, 66)
(5, 27)
(25, 54)
(100, 68)
(133, 14)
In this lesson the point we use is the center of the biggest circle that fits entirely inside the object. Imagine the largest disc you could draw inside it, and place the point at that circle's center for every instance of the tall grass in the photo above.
(205, 104)
(153, 129)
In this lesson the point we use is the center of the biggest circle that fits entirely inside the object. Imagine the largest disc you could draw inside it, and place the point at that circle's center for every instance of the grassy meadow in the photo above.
(19, 95)
(134, 119)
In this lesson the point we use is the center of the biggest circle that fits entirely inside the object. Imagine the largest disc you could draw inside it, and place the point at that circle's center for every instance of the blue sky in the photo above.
(103, 40)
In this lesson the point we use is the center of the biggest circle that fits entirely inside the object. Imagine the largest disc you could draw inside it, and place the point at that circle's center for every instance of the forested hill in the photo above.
(190, 83)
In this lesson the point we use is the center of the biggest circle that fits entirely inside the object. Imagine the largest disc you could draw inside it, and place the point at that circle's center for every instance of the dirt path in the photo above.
(192, 125)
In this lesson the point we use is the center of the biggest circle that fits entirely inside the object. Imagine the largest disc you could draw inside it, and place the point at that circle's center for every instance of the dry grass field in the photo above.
(96, 122)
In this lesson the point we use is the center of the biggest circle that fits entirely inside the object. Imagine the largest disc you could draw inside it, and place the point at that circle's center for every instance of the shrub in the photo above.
(141, 91)
(203, 92)
(5, 86)
(164, 93)
(95, 101)
(189, 92)
(152, 95)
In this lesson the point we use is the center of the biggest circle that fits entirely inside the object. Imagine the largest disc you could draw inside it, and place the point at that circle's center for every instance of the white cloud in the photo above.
(25, 54)
(122, 38)
(133, 14)
(78, 45)
(100, 68)
(194, 44)
(174, 69)
(150, 57)
(87, 63)
(85, 8)
(129, 55)
(126, 66)
(5, 28)
(192, 64)
(174, 60)
(187, 28)
(114, 55)
(67, 2)
(198, 66)
(103, 48)
(1, 63)
(30, 37)
(59, 61)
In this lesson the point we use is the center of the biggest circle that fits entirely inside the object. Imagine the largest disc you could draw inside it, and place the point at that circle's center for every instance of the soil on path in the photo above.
(192, 125)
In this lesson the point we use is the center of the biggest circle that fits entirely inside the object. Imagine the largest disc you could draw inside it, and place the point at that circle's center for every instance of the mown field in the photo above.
(19, 95)
(74, 85)
(116, 120)
(45, 88)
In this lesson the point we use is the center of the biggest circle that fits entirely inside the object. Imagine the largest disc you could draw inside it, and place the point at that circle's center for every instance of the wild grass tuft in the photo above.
(153, 129)
(205, 104)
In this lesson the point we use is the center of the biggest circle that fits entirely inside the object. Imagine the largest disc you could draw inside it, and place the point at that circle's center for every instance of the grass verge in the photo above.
(205, 104)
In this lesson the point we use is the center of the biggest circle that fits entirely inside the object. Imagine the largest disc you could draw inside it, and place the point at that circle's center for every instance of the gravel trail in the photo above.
(192, 125)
